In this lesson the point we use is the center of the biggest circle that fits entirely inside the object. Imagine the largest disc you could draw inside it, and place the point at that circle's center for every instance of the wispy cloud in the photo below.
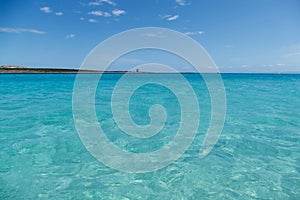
(109, 2)
(267, 65)
(100, 13)
(173, 18)
(92, 20)
(194, 33)
(170, 17)
(21, 30)
(94, 3)
(183, 2)
(118, 12)
(59, 13)
(70, 36)
(100, 2)
(274, 65)
(46, 9)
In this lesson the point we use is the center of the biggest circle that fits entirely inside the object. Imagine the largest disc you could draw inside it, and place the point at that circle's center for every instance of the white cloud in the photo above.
(95, 3)
(100, 2)
(99, 13)
(170, 17)
(108, 2)
(59, 13)
(21, 30)
(194, 33)
(274, 65)
(92, 20)
(267, 65)
(70, 36)
(118, 12)
(182, 2)
(81, 18)
(46, 9)
(173, 18)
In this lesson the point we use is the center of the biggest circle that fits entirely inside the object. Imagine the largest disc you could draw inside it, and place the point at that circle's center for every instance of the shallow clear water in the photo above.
(256, 157)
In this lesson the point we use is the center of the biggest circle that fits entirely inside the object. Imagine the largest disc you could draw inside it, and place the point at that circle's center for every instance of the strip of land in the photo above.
(9, 69)
(24, 70)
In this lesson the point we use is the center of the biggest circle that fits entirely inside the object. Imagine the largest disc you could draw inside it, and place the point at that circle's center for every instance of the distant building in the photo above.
(137, 70)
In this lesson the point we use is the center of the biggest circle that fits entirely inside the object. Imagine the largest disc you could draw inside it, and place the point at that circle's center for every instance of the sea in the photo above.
(257, 155)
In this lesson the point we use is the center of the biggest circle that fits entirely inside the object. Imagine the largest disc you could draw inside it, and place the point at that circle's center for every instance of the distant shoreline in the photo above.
(23, 70)
(56, 71)
(10, 70)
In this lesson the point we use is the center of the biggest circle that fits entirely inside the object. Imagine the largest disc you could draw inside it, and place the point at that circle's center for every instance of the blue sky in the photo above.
(241, 36)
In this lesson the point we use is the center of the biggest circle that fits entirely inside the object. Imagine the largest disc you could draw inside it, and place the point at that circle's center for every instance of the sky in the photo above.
(240, 36)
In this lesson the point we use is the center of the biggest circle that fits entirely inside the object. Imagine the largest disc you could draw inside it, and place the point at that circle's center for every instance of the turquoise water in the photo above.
(256, 157)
